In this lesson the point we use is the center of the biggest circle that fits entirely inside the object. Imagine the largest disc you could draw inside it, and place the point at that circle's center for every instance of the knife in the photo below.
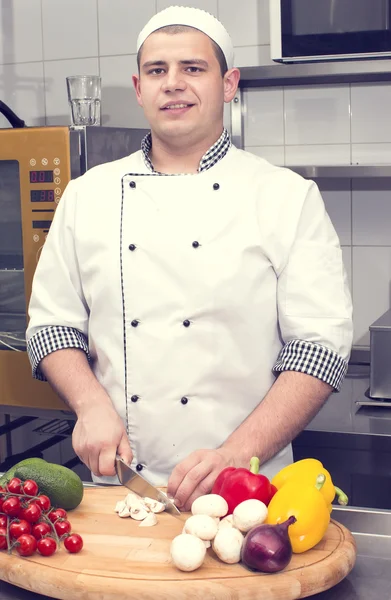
(138, 484)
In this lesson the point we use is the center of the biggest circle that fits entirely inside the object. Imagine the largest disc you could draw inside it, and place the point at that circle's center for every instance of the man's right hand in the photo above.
(99, 435)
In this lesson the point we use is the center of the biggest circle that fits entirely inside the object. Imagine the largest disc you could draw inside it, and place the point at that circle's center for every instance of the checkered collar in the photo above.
(210, 158)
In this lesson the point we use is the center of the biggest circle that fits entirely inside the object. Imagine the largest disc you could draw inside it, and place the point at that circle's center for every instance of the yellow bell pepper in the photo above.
(307, 470)
(306, 503)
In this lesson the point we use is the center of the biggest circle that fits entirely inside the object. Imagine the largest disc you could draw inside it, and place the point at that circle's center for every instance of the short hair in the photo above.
(173, 29)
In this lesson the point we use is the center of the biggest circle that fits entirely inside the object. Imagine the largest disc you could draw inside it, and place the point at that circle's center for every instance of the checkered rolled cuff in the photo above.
(312, 359)
(53, 338)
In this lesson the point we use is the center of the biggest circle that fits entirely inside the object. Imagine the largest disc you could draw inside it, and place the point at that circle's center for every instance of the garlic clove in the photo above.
(149, 521)
(138, 514)
(125, 512)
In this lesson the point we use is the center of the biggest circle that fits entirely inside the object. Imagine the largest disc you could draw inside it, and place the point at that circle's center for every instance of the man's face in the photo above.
(180, 85)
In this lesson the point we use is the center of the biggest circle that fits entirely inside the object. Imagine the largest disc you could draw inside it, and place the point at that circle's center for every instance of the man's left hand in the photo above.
(195, 475)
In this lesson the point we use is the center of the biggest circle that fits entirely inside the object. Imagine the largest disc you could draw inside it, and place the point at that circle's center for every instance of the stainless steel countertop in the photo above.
(370, 578)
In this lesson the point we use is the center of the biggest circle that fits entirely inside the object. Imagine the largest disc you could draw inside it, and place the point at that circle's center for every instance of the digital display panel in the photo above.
(42, 225)
(41, 176)
(42, 195)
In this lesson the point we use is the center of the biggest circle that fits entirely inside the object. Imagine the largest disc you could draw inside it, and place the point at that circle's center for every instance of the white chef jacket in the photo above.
(190, 293)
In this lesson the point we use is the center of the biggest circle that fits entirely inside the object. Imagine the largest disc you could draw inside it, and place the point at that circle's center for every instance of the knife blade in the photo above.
(136, 483)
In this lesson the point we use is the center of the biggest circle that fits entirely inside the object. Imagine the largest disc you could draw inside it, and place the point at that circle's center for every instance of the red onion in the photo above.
(267, 548)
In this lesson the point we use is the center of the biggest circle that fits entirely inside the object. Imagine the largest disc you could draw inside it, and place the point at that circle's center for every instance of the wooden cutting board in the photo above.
(120, 559)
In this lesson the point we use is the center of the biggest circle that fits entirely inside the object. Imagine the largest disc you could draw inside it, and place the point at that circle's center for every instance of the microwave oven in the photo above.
(35, 166)
(320, 30)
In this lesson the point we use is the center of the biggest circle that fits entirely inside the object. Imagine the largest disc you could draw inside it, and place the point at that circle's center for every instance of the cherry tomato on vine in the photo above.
(26, 545)
(62, 527)
(14, 486)
(58, 513)
(1, 504)
(46, 546)
(3, 521)
(73, 543)
(12, 507)
(30, 488)
(40, 530)
(32, 513)
(43, 502)
(18, 528)
(3, 538)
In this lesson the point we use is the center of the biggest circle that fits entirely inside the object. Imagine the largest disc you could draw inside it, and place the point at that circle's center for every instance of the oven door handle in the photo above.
(11, 116)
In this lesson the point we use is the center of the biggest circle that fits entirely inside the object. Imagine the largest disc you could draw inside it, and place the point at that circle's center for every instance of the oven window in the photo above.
(12, 297)
(332, 27)
(11, 248)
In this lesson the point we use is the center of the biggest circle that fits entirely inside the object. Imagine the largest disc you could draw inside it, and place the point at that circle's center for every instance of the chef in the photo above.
(190, 304)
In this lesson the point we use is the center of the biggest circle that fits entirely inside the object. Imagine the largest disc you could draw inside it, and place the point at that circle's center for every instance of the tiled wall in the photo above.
(43, 41)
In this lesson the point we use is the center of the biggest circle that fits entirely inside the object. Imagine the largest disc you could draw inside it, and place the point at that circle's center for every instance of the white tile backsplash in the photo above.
(371, 212)
(247, 22)
(317, 115)
(371, 154)
(273, 154)
(348, 262)
(264, 120)
(329, 154)
(208, 5)
(20, 31)
(119, 104)
(252, 56)
(337, 197)
(371, 113)
(56, 71)
(371, 288)
(22, 89)
(70, 29)
(120, 22)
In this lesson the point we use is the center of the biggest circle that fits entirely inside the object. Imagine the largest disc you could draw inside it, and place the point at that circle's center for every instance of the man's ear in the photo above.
(137, 87)
(231, 82)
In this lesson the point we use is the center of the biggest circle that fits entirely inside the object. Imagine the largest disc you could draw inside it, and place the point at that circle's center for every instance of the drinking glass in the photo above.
(84, 97)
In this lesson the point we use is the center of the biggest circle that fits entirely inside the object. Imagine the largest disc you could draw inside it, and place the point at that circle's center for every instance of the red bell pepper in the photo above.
(237, 485)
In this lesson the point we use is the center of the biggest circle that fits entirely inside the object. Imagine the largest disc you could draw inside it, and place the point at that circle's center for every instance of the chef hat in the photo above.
(192, 17)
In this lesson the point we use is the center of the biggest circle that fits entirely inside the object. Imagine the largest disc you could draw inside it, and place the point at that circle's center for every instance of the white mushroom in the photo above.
(248, 514)
(228, 521)
(153, 505)
(207, 543)
(187, 552)
(125, 512)
(134, 501)
(139, 514)
(202, 526)
(228, 545)
(149, 521)
(212, 505)
(120, 506)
